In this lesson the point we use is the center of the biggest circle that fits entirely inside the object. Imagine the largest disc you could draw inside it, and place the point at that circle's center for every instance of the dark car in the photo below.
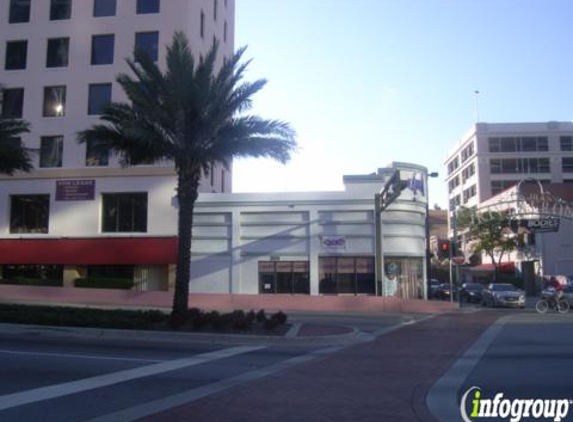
(434, 285)
(503, 294)
(471, 292)
(444, 291)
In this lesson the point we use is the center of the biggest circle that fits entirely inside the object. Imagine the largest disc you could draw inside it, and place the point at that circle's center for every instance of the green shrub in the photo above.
(80, 317)
(28, 281)
(281, 317)
(271, 324)
(104, 283)
(261, 316)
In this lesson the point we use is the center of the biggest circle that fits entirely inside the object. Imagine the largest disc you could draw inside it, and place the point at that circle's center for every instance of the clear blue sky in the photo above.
(367, 82)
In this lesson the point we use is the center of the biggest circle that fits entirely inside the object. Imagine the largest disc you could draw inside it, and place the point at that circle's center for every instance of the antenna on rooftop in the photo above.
(476, 94)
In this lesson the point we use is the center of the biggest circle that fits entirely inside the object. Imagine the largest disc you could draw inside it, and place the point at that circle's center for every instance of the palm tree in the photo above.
(192, 116)
(13, 155)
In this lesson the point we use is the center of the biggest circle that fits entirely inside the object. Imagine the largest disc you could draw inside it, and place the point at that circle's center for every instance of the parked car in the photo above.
(471, 292)
(444, 291)
(433, 288)
(503, 294)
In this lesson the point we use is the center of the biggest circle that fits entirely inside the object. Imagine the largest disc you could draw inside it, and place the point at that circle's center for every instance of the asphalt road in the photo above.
(523, 356)
(50, 375)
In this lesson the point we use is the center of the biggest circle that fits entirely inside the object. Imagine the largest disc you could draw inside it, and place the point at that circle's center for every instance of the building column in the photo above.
(314, 251)
(71, 272)
(235, 253)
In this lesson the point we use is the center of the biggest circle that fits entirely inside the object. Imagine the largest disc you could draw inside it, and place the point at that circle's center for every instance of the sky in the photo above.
(368, 82)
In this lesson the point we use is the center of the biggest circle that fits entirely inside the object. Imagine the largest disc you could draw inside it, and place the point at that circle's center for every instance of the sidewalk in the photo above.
(383, 380)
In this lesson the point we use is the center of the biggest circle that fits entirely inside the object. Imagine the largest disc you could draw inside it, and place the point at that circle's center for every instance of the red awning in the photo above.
(93, 251)
(504, 267)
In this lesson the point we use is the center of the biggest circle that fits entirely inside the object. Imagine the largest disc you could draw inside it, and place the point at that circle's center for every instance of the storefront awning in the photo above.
(92, 251)
(504, 267)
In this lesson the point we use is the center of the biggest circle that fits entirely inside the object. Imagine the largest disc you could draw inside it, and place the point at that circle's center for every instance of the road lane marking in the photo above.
(189, 396)
(71, 355)
(442, 399)
(73, 387)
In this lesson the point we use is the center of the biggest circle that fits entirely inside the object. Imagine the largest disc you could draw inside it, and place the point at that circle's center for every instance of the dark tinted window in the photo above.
(99, 97)
(147, 6)
(102, 49)
(97, 153)
(567, 164)
(148, 42)
(60, 9)
(566, 143)
(57, 52)
(51, 151)
(104, 8)
(12, 102)
(29, 213)
(54, 101)
(16, 54)
(19, 11)
(125, 212)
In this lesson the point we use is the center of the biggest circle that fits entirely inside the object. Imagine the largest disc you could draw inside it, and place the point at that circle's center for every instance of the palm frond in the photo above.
(14, 156)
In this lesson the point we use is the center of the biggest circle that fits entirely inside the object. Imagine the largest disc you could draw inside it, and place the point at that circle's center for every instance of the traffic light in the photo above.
(444, 249)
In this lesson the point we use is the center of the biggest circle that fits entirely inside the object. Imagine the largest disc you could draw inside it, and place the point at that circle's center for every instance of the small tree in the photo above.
(13, 155)
(194, 116)
(489, 232)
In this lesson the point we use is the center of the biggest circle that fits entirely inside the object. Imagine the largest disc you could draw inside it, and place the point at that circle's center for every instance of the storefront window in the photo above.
(286, 277)
(403, 278)
(346, 275)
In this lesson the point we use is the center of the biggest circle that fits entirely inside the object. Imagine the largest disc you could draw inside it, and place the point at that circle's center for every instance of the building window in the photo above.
(97, 153)
(225, 32)
(468, 172)
(454, 183)
(455, 202)
(29, 213)
(469, 193)
(404, 277)
(57, 52)
(453, 165)
(148, 42)
(519, 165)
(222, 180)
(19, 11)
(54, 101)
(467, 152)
(104, 8)
(147, 6)
(518, 144)
(51, 151)
(42, 275)
(202, 25)
(211, 174)
(567, 164)
(215, 10)
(566, 143)
(60, 10)
(12, 103)
(111, 271)
(99, 96)
(124, 212)
(102, 49)
(290, 277)
(16, 55)
(498, 186)
(346, 275)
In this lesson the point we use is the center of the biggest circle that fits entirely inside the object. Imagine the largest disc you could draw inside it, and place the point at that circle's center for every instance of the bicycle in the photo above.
(561, 306)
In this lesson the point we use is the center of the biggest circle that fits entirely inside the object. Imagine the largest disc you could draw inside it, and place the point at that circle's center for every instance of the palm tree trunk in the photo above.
(187, 195)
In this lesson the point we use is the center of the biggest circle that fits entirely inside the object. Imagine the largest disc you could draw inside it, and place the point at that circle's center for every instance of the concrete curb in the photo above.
(124, 334)
(442, 398)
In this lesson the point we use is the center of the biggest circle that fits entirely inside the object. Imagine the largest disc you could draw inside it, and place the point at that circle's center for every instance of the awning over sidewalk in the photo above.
(92, 251)
(504, 267)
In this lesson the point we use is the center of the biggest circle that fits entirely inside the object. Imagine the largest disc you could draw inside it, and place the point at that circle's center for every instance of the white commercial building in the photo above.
(58, 65)
(492, 157)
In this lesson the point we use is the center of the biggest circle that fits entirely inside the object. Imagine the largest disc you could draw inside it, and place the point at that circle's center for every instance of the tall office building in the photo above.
(492, 157)
(79, 212)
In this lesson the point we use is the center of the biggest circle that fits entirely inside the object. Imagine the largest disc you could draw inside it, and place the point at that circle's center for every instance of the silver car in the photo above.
(503, 294)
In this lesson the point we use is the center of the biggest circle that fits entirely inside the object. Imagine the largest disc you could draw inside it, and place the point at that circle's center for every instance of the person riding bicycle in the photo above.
(557, 295)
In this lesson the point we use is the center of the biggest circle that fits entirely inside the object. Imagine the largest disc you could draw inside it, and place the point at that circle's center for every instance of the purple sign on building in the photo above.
(75, 190)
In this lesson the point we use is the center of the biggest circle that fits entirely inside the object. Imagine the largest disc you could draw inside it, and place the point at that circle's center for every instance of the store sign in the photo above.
(537, 225)
(75, 190)
(333, 243)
